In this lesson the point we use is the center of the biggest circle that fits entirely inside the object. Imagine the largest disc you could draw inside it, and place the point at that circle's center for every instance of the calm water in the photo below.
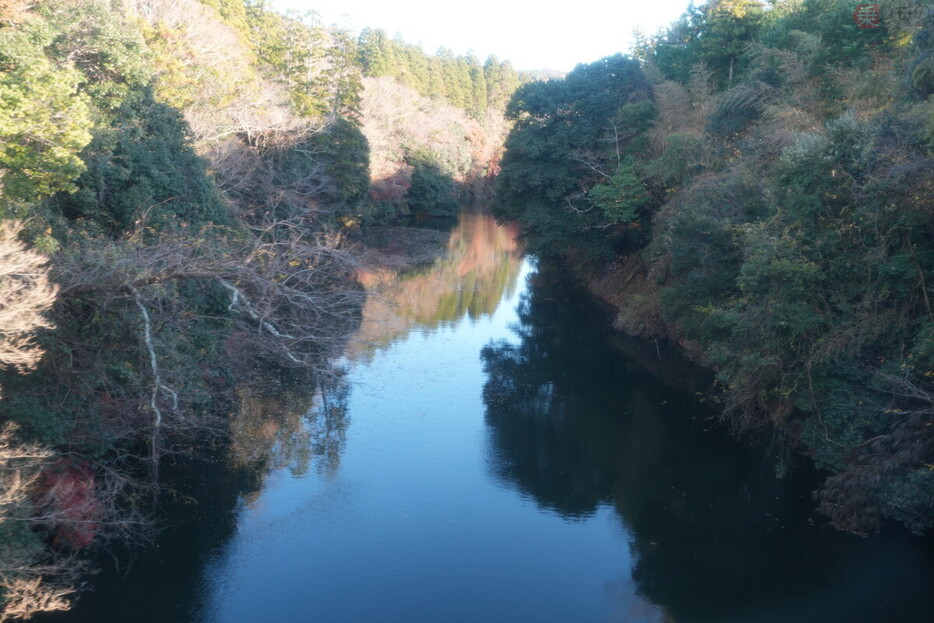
(492, 453)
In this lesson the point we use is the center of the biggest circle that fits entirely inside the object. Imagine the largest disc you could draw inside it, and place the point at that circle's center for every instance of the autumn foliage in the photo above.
(67, 493)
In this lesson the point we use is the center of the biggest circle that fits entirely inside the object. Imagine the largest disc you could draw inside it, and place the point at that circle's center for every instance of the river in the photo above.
(491, 451)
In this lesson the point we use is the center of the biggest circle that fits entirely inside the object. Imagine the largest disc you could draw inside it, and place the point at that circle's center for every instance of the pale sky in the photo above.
(530, 35)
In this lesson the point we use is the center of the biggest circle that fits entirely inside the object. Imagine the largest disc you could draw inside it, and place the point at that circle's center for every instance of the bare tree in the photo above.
(398, 120)
(289, 299)
(24, 580)
(20, 465)
(26, 293)
(223, 95)
(28, 596)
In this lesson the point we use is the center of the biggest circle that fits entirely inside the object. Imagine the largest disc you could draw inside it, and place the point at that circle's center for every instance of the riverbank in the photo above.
(482, 443)
(786, 238)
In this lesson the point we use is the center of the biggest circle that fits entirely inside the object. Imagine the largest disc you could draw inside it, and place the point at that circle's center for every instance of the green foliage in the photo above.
(461, 80)
(715, 34)
(910, 500)
(142, 169)
(100, 43)
(702, 232)
(20, 546)
(318, 65)
(433, 191)
(566, 133)
(632, 126)
(791, 238)
(683, 158)
(233, 12)
(831, 20)
(344, 152)
(377, 53)
(738, 108)
(921, 66)
(923, 350)
(724, 30)
(38, 421)
(343, 76)
(65, 69)
(44, 121)
(623, 196)
(818, 290)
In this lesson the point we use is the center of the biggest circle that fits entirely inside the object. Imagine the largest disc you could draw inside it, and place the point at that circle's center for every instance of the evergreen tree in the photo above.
(377, 53)
(44, 120)
(566, 141)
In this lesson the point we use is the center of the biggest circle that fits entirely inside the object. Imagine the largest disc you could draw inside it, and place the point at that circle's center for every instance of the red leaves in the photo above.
(67, 492)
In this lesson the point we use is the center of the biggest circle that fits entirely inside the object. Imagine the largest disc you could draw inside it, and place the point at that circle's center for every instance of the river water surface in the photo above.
(493, 453)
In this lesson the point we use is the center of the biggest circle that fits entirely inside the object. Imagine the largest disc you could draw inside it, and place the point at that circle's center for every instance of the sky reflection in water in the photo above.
(493, 452)
(417, 523)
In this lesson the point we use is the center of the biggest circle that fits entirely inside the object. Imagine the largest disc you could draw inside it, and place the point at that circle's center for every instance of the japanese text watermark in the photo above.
(892, 13)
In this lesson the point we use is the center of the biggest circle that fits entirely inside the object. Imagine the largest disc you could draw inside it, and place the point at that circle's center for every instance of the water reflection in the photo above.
(504, 464)
(473, 270)
(282, 421)
(289, 424)
(715, 536)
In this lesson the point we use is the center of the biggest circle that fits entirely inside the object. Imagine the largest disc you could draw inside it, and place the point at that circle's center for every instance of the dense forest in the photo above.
(183, 182)
(755, 184)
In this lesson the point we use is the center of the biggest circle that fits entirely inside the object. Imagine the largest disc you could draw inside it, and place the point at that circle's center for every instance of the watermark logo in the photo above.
(868, 16)
(898, 14)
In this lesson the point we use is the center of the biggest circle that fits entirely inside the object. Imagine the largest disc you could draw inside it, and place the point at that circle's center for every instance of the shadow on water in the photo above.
(576, 425)
(283, 423)
(283, 420)
(581, 422)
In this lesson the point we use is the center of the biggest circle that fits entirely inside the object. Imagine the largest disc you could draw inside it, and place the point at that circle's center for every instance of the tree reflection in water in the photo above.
(576, 425)
(468, 276)
(282, 420)
(291, 423)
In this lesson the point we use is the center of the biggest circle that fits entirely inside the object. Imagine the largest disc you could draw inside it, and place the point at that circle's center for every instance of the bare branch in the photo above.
(25, 295)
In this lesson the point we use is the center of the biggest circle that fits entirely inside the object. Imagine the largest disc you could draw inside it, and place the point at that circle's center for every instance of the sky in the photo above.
(531, 38)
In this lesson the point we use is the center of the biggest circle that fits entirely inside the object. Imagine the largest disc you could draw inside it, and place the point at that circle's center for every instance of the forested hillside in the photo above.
(435, 125)
(180, 180)
(756, 185)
